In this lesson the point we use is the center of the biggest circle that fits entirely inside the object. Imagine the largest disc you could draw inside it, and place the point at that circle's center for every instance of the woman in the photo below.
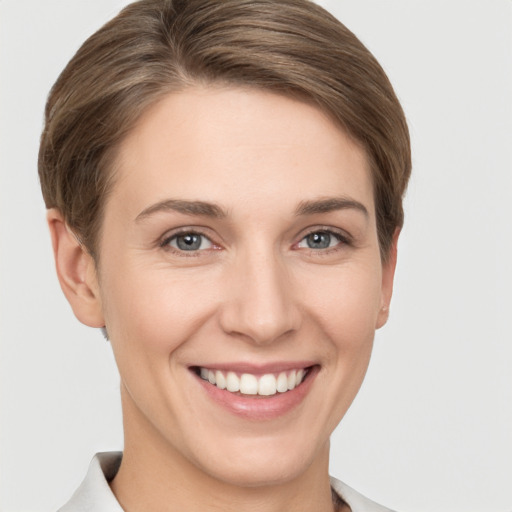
(224, 187)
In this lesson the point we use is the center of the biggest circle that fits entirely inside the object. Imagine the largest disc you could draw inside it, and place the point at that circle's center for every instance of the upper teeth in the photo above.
(249, 384)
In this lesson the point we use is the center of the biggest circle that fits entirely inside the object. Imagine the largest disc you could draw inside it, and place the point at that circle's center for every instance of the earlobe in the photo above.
(388, 276)
(76, 271)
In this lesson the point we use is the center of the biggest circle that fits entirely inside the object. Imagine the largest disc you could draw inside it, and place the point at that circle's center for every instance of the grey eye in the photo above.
(319, 240)
(190, 242)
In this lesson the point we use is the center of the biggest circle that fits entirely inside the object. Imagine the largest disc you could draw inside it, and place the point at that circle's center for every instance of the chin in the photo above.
(262, 461)
(259, 473)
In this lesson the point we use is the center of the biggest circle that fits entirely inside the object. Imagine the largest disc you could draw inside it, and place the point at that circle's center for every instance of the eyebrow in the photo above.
(200, 208)
(330, 204)
(205, 209)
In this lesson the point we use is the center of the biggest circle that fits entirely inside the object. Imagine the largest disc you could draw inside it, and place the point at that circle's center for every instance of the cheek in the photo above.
(347, 303)
(155, 310)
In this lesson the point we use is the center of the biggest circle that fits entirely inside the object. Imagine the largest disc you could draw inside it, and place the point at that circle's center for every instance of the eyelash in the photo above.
(342, 238)
(165, 243)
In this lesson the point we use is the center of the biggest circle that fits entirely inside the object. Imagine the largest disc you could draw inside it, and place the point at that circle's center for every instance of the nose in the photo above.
(260, 304)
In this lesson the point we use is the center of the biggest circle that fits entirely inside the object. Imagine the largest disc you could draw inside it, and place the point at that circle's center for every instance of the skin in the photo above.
(254, 292)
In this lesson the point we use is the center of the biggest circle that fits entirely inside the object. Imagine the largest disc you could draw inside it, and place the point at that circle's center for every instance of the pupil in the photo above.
(319, 240)
(189, 242)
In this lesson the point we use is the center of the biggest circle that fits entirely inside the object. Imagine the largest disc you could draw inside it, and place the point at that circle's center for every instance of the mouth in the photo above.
(250, 384)
(257, 394)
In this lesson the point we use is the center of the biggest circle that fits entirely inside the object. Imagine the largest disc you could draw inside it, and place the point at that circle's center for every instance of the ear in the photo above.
(76, 271)
(388, 276)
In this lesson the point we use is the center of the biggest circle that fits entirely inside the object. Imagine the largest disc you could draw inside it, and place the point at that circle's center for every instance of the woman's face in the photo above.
(239, 248)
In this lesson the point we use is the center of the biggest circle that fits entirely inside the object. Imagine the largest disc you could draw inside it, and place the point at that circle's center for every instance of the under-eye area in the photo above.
(267, 384)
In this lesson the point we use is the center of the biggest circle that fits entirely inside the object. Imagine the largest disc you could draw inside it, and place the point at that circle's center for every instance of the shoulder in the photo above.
(356, 501)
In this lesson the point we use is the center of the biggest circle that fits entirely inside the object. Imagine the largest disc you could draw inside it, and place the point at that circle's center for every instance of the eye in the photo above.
(320, 240)
(188, 242)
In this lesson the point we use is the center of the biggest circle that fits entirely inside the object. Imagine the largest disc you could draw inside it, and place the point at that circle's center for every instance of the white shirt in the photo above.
(94, 494)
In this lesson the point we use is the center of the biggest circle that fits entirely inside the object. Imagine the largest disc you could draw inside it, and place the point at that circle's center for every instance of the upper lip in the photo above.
(256, 369)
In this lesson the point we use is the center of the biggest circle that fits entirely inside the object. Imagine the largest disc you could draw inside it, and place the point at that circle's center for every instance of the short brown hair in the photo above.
(154, 47)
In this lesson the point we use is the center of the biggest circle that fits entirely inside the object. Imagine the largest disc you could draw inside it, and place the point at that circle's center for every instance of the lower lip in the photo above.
(257, 407)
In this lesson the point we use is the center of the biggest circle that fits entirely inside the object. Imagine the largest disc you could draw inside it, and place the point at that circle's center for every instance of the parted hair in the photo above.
(156, 47)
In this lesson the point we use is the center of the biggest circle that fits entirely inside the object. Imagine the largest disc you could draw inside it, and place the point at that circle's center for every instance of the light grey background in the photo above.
(432, 426)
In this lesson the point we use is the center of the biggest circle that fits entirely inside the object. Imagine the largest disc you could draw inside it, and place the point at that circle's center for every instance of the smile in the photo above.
(267, 384)
(257, 393)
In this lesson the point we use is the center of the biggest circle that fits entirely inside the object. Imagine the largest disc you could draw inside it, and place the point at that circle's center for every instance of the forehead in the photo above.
(237, 147)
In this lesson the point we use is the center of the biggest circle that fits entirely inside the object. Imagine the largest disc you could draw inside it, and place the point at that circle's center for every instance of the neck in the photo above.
(155, 476)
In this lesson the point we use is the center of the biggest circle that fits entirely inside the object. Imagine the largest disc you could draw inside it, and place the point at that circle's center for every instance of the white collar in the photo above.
(94, 493)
